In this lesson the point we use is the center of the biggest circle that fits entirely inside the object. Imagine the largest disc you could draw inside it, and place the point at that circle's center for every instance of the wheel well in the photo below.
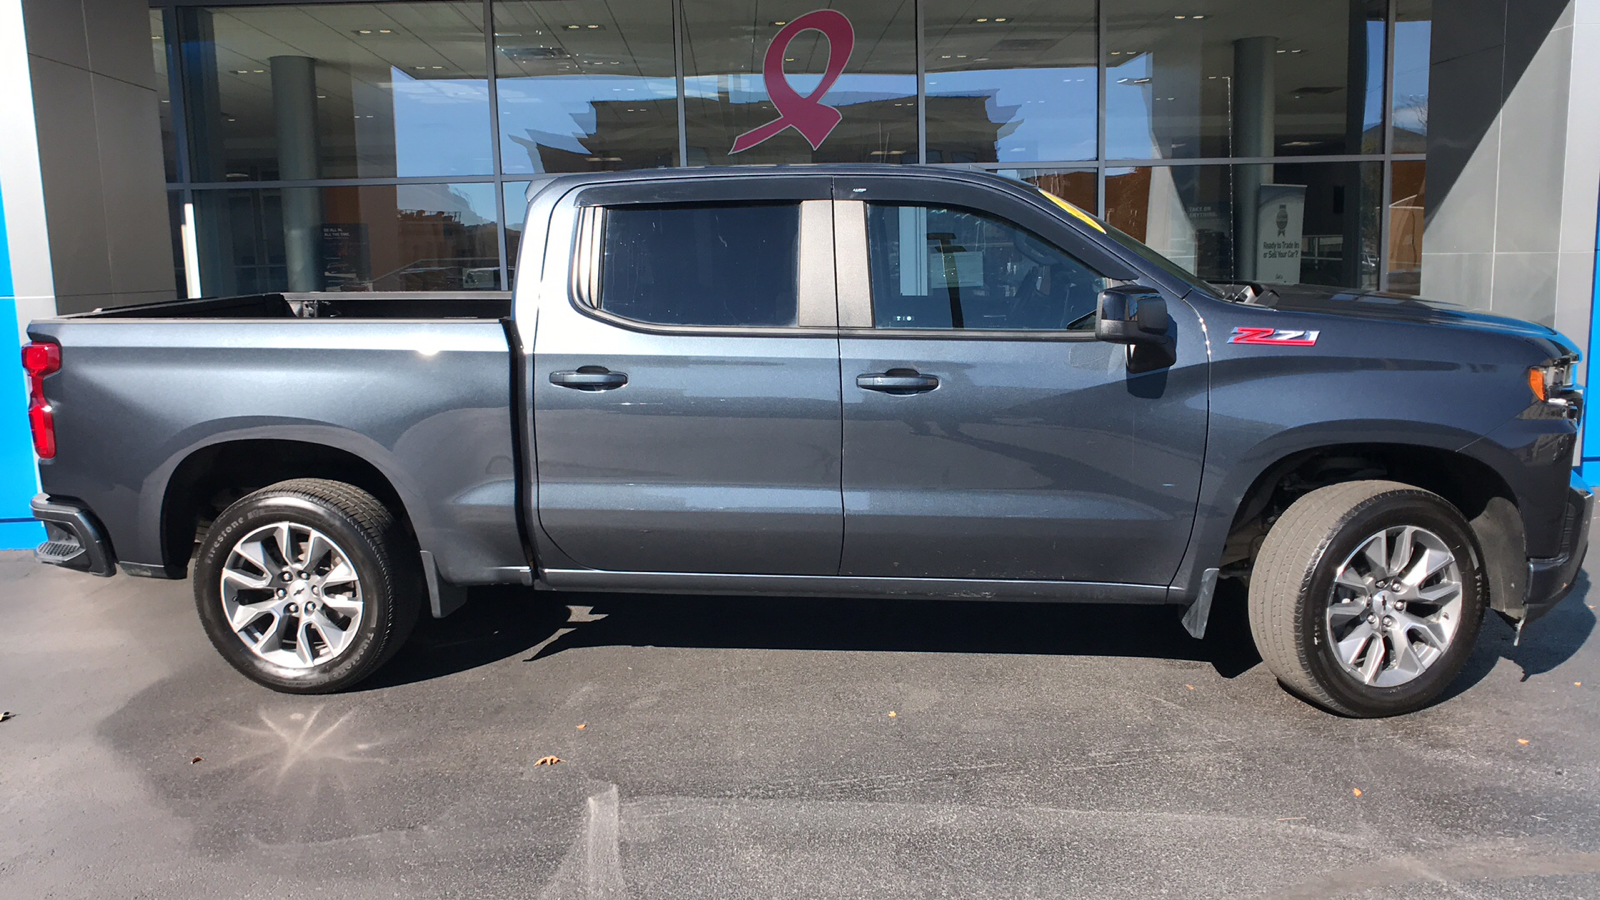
(212, 478)
(1482, 496)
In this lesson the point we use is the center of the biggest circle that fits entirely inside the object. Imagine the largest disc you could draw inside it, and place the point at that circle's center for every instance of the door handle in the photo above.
(590, 378)
(898, 381)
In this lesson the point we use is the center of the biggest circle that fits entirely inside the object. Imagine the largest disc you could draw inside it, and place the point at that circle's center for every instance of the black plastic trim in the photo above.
(444, 598)
(782, 188)
(73, 524)
(522, 452)
(1550, 580)
(966, 334)
(145, 570)
(854, 586)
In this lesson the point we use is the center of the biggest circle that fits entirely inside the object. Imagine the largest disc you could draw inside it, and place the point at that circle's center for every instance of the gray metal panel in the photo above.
(1034, 459)
(1383, 371)
(1037, 457)
(721, 453)
(427, 404)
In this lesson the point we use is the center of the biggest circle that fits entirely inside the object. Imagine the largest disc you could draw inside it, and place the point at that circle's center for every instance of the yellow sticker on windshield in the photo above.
(1077, 213)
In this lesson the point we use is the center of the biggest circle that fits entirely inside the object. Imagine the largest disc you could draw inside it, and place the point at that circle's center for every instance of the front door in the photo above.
(987, 434)
(687, 397)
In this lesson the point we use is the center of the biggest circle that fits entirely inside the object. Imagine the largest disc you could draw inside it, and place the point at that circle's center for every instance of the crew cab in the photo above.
(857, 381)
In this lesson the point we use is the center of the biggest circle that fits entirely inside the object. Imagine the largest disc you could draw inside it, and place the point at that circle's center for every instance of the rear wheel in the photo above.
(1367, 597)
(307, 586)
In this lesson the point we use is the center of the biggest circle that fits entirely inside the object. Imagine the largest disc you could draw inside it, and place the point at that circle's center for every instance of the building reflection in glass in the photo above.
(337, 90)
(1031, 72)
(1244, 78)
(585, 86)
(406, 237)
(726, 92)
(393, 94)
(1191, 215)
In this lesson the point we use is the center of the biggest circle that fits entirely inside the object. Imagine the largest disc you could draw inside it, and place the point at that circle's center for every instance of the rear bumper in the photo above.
(75, 539)
(1550, 580)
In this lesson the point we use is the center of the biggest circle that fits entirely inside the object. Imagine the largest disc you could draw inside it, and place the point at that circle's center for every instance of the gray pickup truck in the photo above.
(823, 380)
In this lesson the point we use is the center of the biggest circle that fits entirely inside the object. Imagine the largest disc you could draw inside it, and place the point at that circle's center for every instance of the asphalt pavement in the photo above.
(758, 747)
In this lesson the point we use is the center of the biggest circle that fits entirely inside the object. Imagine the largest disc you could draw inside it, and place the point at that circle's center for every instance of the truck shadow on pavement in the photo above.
(500, 622)
(1545, 644)
(497, 623)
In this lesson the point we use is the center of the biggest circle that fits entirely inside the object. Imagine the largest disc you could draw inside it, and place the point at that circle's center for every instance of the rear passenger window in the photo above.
(710, 265)
(946, 268)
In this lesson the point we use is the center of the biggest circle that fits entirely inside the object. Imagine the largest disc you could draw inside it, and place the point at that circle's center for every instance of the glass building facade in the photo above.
(387, 145)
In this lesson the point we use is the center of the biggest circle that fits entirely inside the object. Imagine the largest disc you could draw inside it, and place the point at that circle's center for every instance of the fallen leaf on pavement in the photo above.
(1356, 791)
(1189, 686)
(1522, 740)
(583, 726)
(549, 760)
(195, 760)
(891, 713)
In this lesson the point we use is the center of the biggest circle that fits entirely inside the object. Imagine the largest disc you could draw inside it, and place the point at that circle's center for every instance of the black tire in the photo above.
(366, 532)
(1293, 581)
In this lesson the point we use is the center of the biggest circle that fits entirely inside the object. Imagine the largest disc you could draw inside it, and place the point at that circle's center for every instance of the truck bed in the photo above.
(156, 404)
(333, 305)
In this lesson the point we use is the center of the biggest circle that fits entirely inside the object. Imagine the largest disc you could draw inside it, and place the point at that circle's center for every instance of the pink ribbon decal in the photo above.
(807, 114)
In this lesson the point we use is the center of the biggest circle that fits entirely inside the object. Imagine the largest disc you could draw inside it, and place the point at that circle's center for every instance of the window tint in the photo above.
(702, 265)
(935, 267)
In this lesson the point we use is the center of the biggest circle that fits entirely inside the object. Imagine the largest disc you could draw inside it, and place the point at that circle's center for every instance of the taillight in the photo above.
(40, 360)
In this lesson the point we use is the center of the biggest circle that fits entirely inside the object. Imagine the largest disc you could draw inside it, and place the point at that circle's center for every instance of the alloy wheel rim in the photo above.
(291, 595)
(1395, 606)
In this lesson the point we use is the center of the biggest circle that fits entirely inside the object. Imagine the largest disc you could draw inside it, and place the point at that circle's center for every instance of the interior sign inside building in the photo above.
(806, 113)
(346, 255)
(1280, 212)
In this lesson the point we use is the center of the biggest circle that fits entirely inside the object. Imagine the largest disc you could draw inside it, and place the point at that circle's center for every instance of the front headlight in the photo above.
(1552, 384)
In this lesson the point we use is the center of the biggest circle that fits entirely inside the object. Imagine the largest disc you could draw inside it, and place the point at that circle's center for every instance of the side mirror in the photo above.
(1131, 315)
(1137, 316)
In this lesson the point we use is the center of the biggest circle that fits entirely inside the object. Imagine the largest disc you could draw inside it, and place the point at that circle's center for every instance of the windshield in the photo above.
(1138, 248)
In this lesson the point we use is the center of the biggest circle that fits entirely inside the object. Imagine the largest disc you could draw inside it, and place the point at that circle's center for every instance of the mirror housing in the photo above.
(1137, 316)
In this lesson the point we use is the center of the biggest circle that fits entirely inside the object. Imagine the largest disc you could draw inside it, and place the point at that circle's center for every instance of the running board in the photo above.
(852, 586)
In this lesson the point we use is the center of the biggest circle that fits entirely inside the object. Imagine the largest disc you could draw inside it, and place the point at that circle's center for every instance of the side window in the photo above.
(710, 265)
(946, 268)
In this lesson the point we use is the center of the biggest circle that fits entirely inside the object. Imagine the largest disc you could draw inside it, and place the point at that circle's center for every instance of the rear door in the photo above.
(686, 393)
(987, 434)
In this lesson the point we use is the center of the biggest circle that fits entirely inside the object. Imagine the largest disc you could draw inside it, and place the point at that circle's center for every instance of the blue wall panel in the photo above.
(18, 530)
(1590, 469)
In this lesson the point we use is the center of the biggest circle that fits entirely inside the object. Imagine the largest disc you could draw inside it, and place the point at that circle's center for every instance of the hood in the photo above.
(1392, 308)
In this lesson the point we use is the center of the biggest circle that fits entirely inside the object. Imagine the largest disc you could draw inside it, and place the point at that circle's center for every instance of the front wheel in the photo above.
(1367, 597)
(307, 586)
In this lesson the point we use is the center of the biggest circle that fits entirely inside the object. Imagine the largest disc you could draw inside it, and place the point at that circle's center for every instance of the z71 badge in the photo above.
(1274, 337)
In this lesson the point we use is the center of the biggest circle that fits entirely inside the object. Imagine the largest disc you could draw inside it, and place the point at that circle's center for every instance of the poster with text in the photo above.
(1280, 219)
